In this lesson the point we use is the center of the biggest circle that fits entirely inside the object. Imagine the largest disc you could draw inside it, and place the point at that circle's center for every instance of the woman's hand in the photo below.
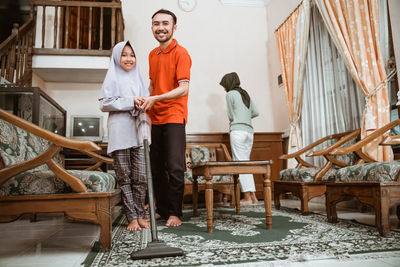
(138, 101)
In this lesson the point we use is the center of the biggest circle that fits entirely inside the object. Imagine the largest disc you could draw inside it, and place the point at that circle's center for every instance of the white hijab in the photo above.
(121, 83)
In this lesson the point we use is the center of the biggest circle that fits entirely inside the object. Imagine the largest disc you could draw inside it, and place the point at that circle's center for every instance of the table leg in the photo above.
(237, 192)
(195, 195)
(267, 197)
(209, 204)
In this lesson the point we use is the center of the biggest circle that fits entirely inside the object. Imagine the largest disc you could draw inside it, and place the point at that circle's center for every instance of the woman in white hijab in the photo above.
(122, 93)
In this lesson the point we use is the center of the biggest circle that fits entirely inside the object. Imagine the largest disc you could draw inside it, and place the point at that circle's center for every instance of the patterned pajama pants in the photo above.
(130, 170)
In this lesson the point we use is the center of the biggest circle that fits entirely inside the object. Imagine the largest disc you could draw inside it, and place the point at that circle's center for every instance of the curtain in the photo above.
(354, 27)
(292, 39)
(332, 101)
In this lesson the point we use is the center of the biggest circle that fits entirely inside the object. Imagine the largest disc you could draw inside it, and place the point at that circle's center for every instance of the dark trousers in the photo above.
(167, 154)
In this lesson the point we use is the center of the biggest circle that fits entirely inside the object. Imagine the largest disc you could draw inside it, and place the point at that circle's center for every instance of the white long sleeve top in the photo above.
(122, 132)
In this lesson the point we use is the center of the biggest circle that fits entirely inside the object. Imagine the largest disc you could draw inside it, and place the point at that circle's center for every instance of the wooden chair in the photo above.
(202, 152)
(33, 179)
(376, 184)
(305, 181)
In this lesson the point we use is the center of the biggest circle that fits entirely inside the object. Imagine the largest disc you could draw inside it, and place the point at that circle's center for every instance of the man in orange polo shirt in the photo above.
(169, 86)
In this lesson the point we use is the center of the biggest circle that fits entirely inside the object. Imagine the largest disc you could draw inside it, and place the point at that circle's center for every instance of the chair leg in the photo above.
(398, 212)
(304, 206)
(277, 197)
(304, 201)
(209, 204)
(382, 213)
(195, 195)
(233, 198)
(33, 217)
(237, 193)
(104, 213)
(328, 206)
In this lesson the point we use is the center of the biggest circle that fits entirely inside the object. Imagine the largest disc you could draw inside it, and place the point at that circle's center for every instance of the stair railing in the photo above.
(16, 55)
(77, 25)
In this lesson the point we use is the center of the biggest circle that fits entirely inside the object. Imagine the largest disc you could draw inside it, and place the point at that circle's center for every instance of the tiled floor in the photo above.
(55, 240)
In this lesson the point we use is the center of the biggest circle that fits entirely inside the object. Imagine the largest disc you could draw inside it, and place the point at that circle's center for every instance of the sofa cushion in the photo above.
(202, 179)
(199, 155)
(18, 145)
(45, 182)
(304, 174)
(369, 172)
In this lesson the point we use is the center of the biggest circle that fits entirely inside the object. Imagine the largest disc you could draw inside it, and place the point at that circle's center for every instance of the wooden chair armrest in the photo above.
(391, 140)
(56, 139)
(316, 143)
(99, 157)
(375, 134)
(226, 153)
(335, 145)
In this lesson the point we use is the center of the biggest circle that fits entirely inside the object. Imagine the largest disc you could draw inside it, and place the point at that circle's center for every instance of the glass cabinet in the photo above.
(34, 105)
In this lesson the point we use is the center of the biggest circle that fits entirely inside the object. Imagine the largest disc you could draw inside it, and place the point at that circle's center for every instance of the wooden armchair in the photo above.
(376, 184)
(306, 180)
(203, 152)
(33, 180)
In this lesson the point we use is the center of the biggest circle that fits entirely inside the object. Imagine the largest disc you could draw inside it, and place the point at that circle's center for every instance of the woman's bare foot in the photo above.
(246, 201)
(133, 226)
(144, 223)
(253, 197)
(173, 221)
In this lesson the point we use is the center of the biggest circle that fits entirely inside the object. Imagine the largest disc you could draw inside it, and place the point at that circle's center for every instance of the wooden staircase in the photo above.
(85, 28)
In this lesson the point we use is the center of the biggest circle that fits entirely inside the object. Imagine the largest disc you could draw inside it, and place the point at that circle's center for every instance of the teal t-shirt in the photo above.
(239, 115)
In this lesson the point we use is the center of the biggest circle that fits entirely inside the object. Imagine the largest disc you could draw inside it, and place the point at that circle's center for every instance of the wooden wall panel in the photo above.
(266, 146)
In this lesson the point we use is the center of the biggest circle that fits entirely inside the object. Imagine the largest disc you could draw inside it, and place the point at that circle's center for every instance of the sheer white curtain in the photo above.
(332, 102)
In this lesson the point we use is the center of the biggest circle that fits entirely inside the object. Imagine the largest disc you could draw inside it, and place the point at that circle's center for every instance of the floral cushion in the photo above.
(202, 155)
(46, 182)
(369, 172)
(202, 179)
(304, 174)
(18, 145)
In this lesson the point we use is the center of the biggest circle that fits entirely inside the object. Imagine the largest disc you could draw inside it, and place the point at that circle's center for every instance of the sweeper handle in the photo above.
(156, 248)
(144, 133)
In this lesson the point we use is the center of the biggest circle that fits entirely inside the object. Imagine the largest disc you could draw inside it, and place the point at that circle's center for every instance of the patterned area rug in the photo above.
(242, 238)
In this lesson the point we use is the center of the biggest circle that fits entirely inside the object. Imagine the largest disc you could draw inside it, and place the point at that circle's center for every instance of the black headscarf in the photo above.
(230, 82)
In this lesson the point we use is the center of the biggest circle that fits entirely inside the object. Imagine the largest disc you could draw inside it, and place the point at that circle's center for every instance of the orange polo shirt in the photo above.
(166, 69)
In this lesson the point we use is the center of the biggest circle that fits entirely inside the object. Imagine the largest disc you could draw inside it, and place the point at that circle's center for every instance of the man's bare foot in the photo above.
(158, 216)
(173, 221)
(133, 226)
(144, 223)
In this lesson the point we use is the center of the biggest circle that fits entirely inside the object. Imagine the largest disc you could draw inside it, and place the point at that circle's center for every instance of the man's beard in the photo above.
(166, 37)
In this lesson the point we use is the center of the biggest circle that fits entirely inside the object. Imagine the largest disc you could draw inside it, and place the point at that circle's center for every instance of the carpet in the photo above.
(242, 238)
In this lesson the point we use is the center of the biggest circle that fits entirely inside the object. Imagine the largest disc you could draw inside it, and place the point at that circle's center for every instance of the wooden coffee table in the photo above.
(209, 169)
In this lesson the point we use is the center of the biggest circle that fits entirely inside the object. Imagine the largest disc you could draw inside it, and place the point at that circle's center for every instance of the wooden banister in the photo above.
(87, 19)
(16, 54)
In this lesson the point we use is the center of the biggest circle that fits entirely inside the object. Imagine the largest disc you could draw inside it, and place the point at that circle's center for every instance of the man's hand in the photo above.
(138, 101)
(149, 102)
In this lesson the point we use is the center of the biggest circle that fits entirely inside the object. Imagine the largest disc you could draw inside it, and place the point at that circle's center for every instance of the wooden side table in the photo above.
(209, 169)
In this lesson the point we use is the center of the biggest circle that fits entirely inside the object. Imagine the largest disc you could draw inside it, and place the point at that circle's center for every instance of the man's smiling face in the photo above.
(163, 27)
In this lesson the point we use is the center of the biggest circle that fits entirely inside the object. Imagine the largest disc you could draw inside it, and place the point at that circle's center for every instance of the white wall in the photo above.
(220, 39)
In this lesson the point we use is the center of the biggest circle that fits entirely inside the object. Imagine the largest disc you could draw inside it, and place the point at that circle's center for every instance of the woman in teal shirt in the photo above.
(240, 112)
